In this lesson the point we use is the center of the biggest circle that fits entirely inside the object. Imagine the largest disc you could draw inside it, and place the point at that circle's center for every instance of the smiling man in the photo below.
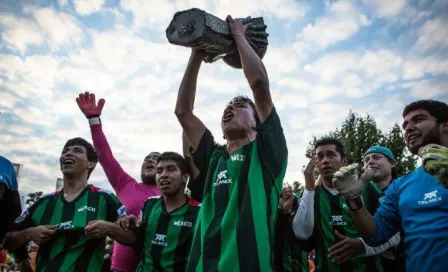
(164, 232)
(70, 225)
(131, 193)
(417, 203)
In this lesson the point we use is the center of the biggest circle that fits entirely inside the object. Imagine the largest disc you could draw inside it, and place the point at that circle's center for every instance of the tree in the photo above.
(297, 187)
(33, 198)
(358, 133)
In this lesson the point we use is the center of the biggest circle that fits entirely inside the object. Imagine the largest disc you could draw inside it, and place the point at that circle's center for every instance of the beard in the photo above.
(432, 137)
(148, 179)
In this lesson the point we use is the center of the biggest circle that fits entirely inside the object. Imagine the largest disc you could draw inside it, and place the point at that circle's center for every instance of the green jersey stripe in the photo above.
(161, 229)
(88, 252)
(185, 237)
(246, 232)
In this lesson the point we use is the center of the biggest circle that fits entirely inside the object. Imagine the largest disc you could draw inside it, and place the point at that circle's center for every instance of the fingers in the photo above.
(82, 98)
(340, 236)
(229, 19)
(101, 103)
(367, 176)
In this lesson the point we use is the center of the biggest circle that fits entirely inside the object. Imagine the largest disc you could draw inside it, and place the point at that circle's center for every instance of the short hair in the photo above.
(331, 141)
(436, 108)
(177, 158)
(92, 155)
(245, 99)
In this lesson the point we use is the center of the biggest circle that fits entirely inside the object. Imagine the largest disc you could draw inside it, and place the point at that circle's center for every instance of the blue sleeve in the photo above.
(387, 217)
(8, 174)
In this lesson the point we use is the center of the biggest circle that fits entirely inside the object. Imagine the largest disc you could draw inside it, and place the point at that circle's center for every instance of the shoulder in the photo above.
(50, 195)
(150, 201)
(194, 203)
(101, 191)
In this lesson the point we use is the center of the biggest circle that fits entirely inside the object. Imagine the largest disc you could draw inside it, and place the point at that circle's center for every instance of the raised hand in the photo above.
(87, 104)
(129, 222)
(236, 26)
(435, 161)
(287, 200)
(310, 181)
(347, 183)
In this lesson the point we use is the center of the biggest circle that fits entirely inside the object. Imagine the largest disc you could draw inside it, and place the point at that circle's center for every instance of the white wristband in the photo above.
(94, 121)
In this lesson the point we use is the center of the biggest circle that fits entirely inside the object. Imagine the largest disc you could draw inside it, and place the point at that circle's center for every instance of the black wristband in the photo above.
(355, 204)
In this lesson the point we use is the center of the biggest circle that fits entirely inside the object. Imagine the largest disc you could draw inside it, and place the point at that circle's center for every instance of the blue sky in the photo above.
(324, 58)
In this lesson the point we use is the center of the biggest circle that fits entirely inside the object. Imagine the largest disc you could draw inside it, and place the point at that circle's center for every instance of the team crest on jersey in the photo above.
(221, 178)
(337, 220)
(159, 240)
(430, 197)
(121, 211)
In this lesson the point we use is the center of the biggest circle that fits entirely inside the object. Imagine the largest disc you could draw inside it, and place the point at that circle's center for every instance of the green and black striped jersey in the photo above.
(70, 249)
(332, 214)
(167, 236)
(289, 257)
(236, 224)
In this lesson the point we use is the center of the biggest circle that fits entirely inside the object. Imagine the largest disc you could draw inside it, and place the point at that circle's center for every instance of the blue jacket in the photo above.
(418, 204)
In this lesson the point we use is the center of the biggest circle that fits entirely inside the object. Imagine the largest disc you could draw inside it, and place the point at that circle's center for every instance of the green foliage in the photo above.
(33, 198)
(358, 133)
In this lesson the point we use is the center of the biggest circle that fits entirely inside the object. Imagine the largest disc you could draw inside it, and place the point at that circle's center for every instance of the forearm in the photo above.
(364, 222)
(370, 251)
(303, 223)
(118, 234)
(187, 89)
(15, 240)
(253, 67)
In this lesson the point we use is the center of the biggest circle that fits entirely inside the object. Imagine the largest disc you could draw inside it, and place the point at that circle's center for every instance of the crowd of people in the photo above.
(239, 215)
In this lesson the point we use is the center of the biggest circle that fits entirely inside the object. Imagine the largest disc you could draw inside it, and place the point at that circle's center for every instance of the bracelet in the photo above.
(355, 204)
(94, 121)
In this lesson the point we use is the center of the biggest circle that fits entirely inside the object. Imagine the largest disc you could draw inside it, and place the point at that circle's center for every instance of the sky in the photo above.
(324, 58)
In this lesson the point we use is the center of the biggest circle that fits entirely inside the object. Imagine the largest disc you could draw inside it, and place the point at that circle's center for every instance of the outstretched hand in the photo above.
(87, 104)
(435, 161)
(348, 184)
(345, 249)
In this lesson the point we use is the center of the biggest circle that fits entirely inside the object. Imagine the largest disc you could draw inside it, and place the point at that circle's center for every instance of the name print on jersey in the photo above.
(183, 223)
(430, 197)
(66, 225)
(221, 178)
(337, 220)
(160, 240)
(86, 208)
(237, 157)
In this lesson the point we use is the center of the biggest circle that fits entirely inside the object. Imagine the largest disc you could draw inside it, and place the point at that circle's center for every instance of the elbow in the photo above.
(8, 242)
(260, 82)
(183, 115)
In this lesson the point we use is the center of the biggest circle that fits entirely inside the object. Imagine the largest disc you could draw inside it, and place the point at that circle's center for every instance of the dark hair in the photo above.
(177, 158)
(436, 108)
(92, 155)
(331, 141)
(245, 99)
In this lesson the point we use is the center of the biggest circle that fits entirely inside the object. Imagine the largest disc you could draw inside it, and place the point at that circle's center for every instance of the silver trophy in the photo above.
(199, 29)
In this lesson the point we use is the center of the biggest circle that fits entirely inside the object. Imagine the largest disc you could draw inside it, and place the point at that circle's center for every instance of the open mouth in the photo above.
(327, 169)
(68, 161)
(227, 116)
(164, 184)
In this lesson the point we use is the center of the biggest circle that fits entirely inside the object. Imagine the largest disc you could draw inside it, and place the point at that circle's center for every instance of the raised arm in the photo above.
(253, 69)
(192, 126)
(116, 175)
(192, 169)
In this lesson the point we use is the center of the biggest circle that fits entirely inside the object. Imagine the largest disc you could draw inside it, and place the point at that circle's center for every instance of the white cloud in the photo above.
(331, 66)
(87, 7)
(385, 8)
(8, 100)
(342, 21)
(415, 68)
(19, 33)
(428, 88)
(432, 35)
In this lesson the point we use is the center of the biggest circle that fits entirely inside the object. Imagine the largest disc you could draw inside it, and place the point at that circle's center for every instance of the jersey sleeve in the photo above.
(201, 158)
(25, 221)
(115, 209)
(372, 195)
(116, 175)
(387, 217)
(8, 175)
(272, 145)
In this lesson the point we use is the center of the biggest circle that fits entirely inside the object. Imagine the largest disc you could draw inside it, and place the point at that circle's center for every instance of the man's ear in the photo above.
(91, 164)
(444, 127)
(344, 162)
(185, 177)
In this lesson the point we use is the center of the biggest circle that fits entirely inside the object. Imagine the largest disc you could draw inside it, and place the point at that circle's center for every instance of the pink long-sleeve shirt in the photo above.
(130, 192)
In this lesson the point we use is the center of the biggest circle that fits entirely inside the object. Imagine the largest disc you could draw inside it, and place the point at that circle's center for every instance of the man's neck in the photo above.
(234, 144)
(384, 183)
(73, 186)
(328, 183)
(175, 201)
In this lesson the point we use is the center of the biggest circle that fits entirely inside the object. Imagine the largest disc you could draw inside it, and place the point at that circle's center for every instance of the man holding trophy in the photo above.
(242, 179)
